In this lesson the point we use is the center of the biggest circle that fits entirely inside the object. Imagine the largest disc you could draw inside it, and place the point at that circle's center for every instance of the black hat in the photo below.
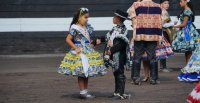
(121, 14)
(161, 1)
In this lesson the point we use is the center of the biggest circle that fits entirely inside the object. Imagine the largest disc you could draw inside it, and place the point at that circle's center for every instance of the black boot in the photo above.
(87, 96)
(121, 79)
(116, 83)
(163, 64)
(153, 72)
(135, 73)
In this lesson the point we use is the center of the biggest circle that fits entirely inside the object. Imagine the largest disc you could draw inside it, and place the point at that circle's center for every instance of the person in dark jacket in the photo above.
(115, 52)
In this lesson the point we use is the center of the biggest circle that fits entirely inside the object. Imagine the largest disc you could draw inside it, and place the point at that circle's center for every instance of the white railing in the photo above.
(58, 24)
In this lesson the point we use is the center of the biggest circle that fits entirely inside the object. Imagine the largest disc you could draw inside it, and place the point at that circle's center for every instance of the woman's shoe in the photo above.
(145, 79)
(137, 81)
(87, 96)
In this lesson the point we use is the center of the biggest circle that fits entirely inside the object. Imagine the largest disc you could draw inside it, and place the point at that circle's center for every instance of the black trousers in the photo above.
(139, 48)
(163, 63)
(120, 78)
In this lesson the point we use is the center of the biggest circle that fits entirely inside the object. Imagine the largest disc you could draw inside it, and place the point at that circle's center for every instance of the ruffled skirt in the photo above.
(191, 72)
(163, 50)
(72, 65)
(179, 44)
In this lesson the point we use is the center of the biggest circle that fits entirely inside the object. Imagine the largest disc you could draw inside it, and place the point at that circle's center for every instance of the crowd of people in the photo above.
(155, 37)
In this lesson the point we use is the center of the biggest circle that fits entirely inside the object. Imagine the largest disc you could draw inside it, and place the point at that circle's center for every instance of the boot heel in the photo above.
(138, 82)
(153, 82)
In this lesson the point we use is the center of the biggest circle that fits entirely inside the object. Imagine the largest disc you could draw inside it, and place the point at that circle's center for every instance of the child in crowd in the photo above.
(167, 34)
(193, 75)
(115, 51)
(82, 60)
(186, 41)
(186, 38)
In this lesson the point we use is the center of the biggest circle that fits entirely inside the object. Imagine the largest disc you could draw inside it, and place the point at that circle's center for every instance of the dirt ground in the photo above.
(33, 79)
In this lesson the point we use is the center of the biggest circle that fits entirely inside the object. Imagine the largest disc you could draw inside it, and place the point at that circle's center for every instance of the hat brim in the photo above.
(121, 16)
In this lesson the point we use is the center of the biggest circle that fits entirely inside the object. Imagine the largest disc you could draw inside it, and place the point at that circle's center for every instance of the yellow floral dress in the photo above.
(72, 63)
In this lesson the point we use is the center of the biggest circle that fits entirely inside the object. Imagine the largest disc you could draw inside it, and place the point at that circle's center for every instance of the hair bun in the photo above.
(84, 9)
(161, 1)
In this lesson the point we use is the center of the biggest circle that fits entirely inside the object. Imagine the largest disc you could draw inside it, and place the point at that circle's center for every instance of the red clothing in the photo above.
(194, 96)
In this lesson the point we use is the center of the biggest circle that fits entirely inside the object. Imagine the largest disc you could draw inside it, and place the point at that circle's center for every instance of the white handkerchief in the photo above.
(85, 64)
(167, 25)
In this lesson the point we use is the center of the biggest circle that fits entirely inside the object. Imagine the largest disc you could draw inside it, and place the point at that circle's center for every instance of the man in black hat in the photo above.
(115, 52)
